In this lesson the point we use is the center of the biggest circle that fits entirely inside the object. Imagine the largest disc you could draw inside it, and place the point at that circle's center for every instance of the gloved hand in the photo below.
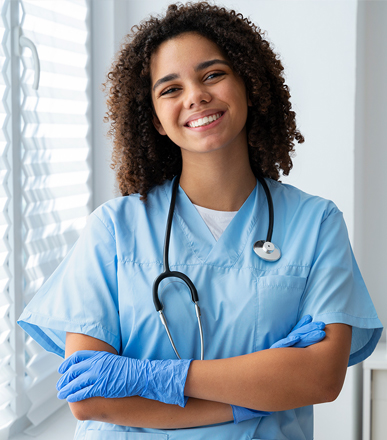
(305, 333)
(241, 414)
(90, 373)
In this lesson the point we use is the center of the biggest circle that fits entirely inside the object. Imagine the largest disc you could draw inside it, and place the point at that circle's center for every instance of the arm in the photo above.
(287, 379)
(137, 411)
(279, 379)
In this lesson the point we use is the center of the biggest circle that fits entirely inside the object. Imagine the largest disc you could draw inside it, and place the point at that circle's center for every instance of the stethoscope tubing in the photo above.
(264, 249)
(262, 181)
(167, 273)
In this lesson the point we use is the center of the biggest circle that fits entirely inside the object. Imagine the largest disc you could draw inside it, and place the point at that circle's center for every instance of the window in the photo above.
(45, 183)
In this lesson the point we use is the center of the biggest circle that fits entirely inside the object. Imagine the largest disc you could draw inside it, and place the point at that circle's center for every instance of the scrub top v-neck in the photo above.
(231, 243)
(216, 221)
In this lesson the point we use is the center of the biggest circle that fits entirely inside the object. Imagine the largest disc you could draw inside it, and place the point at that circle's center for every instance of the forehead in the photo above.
(183, 51)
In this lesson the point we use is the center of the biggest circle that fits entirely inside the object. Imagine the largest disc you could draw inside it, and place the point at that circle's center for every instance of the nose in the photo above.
(196, 95)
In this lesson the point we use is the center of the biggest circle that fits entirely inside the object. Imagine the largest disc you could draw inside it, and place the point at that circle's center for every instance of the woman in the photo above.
(198, 97)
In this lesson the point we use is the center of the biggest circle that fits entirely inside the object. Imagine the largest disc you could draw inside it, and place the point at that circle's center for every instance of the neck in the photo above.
(216, 180)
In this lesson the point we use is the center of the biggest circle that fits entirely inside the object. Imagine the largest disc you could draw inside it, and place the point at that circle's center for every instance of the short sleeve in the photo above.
(335, 291)
(81, 295)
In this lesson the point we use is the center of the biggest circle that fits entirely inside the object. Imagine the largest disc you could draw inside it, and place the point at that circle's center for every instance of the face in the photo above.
(200, 103)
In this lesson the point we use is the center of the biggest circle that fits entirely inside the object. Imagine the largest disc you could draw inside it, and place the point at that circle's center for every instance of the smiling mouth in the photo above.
(205, 121)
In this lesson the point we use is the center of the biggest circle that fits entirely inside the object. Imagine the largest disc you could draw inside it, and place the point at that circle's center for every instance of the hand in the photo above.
(305, 333)
(90, 373)
(241, 414)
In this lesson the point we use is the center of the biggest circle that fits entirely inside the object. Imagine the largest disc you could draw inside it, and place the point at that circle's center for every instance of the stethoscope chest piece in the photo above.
(267, 250)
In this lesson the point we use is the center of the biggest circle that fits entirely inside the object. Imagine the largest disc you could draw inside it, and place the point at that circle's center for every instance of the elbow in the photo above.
(84, 410)
(335, 389)
(329, 390)
(79, 411)
(330, 394)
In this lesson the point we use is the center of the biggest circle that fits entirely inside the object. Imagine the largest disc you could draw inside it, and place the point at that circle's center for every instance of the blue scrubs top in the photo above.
(103, 289)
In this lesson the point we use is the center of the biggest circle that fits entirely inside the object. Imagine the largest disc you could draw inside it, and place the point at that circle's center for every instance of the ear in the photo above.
(158, 125)
(249, 103)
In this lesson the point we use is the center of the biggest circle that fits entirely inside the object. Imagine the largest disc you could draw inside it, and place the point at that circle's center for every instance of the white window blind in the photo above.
(7, 372)
(45, 204)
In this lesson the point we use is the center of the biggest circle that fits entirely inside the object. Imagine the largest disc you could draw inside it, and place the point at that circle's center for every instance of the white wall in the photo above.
(337, 82)
(371, 151)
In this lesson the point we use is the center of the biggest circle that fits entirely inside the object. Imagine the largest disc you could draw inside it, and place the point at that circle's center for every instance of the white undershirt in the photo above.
(217, 221)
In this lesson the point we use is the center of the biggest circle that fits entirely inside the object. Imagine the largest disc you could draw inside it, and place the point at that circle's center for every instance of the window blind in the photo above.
(7, 372)
(45, 184)
(56, 171)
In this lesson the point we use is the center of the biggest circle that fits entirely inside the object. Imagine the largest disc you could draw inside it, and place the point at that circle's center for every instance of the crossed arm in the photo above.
(268, 380)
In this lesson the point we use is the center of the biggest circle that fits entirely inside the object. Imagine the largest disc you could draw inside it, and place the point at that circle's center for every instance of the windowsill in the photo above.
(60, 426)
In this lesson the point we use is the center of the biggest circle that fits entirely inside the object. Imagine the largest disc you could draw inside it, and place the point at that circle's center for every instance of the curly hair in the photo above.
(142, 157)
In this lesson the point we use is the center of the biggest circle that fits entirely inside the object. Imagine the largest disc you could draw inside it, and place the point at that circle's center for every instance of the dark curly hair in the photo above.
(142, 157)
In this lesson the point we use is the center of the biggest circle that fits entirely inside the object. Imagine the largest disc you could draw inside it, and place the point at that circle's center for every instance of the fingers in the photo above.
(303, 321)
(305, 333)
(78, 384)
(82, 371)
(83, 394)
(75, 358)
(287, 342)
(319, 325)
(312, 326)
(72, 373)
(310, 339)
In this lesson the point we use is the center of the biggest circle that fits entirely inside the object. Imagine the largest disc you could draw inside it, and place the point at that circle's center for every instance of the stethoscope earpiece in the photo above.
(267, 250)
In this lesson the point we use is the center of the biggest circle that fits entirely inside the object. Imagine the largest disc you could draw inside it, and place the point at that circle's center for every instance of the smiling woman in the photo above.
(202, 128)
(240, 53)
(204, 87)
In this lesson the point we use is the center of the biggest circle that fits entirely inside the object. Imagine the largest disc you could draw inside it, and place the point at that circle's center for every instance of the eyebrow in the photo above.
(199, 67)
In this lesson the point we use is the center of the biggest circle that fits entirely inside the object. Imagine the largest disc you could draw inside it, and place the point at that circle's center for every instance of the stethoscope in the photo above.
(265, 249)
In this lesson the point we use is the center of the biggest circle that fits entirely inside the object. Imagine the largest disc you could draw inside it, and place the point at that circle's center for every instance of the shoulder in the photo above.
(129, 210)
(293, 201)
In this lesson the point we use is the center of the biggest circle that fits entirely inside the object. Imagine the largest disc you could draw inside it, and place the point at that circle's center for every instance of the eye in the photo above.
(215, 75)
(169, 91)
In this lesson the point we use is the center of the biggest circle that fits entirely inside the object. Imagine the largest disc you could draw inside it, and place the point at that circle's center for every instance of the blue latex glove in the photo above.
(241, 414)
(305, 333)
(90, 373)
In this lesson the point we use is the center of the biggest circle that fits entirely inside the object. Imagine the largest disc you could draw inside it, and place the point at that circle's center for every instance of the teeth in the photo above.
(204, 121)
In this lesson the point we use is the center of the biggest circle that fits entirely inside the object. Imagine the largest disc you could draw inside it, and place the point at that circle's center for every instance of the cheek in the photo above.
(242, 107)
(167, 114)
(237, 95)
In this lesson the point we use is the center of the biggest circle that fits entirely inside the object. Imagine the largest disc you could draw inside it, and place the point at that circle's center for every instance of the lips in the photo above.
(203, 118)
(201, 122)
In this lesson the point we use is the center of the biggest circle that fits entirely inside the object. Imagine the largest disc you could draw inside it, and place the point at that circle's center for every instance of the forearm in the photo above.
(270, 380)
(275, 380)
(144, 413)
(137, 411)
